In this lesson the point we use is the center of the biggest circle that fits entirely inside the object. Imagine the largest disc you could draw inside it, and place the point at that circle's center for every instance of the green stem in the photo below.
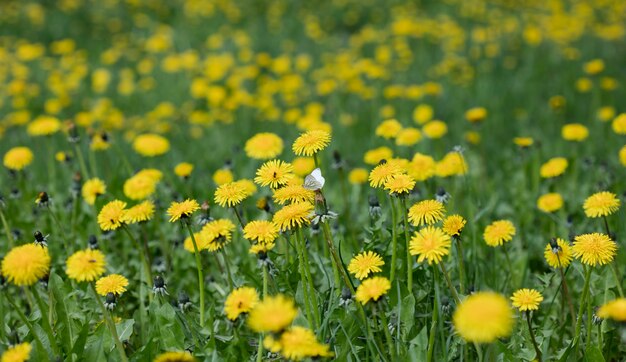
(259, 353)
(110, 324)
(25, 320)
(45, 321)
(59, 226)
(81, 161)
(435, 320)
(200, 274)
(229, 275)
(146, 272)
(305, 254)
(238, 217)
(385, 327)
(460, 257)
(581, 309)
(409, 260)
(7, 229)
(336, 259)
(566, 292)
(305, 284)
(532, 336)
(455, 295)
(394, 242)
(618, 281)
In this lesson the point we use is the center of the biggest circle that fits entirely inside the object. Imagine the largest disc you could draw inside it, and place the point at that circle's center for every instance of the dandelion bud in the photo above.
(40, 239)
(338, 162)
(346, 296)
(15, 193)
(442, 196)
(554, 246)
(42, 199)
(183, 301)
(72, 133)
(374, 207)
(92, 242)
(159, 287)
(110, 301)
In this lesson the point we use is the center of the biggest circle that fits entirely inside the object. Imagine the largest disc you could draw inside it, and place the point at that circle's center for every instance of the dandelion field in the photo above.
(198, 180)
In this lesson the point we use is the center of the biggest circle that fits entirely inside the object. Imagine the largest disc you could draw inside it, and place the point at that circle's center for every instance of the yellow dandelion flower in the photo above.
(217, 233)
(151, 145)
(550, 202)
(372, 289)
(594, 66)
(113, 283)
(274, 173)
(453, 225)
(359, 176)
(423, 113)
(523, 142)
(453, 163)
(435, 129)
(615, 310)
(202, 242)
(574, 132)
(559, 256)
(111, 215)
(85, 265)
(408, 137)
(261, 231)
(240, 300)
(593, 249)
(303, 166)
(44, 126)
(475, 115)
(383, 172)
(18, 353)
(24, 265)
(526, 299)
(373, 157)
(139, 187)
(619, 124)
(622, 155)
(499, 232)
(175, 356)
(261, 248)
(311, 142)
(293, 193)
(247, 185)
(99, 141)
(183, 169)
(93, 188)
(422, 167)
(400, 184)
(365, 263)
(230, 194)
(297, 343)
(272, 314)
(17, 158)
(264, 146)
(139, 213)
(223, 176)
(430, 243)
(388, 129)
(182, 210)
(426, 212)
(601, 204)
(293, 216)
(553, 167)
(152, 173)
(483, 317)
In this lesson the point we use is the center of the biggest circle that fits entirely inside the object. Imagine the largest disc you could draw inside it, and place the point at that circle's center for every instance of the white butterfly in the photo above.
(314, 181)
